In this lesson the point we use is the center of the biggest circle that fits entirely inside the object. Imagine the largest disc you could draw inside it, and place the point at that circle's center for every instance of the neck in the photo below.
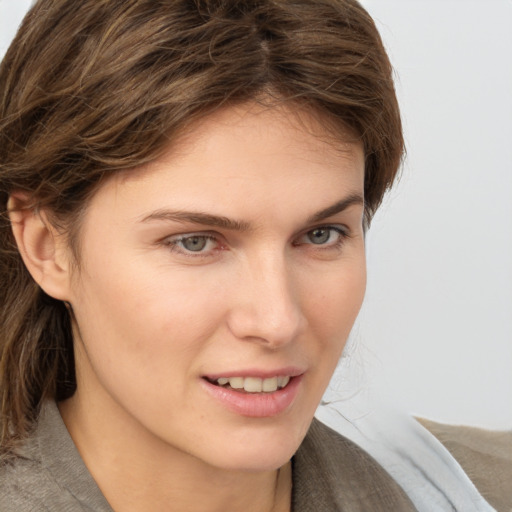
(137, 473)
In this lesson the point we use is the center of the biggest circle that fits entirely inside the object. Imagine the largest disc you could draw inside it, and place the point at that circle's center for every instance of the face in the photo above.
(218, 287)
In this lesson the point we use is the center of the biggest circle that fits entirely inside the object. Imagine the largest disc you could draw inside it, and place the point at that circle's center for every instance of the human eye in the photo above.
(193, 244)
(323, 237)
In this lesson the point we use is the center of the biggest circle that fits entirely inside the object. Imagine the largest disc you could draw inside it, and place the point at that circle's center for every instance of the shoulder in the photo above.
(415, 458)
(22, 485)
(333, 473)
(48, 473)
(484, 455)
(27, 486)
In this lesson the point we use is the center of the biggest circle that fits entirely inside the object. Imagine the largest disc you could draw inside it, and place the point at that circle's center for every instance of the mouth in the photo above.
(252, 384)
(258, 396)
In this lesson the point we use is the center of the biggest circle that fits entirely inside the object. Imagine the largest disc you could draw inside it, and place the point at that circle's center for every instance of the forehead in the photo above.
(254, 122)
(249, 151)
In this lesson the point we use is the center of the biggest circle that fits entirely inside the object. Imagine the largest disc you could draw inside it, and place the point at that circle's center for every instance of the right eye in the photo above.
(194, 244)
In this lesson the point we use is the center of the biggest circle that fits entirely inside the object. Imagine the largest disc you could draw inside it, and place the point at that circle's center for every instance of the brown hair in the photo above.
(91, 87)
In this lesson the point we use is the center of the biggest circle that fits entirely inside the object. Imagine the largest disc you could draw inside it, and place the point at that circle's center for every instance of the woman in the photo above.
(185, 194)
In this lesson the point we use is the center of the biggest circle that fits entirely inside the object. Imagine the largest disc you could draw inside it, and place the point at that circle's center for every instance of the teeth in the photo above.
(269, 385)
(254, 384)
(282, 381)
(236, 382)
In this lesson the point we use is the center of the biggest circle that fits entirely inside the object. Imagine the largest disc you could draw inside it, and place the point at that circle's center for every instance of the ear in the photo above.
(43, 249)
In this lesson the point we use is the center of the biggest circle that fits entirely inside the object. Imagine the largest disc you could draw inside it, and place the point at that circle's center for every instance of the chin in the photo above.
(258, 449)
(256, 460)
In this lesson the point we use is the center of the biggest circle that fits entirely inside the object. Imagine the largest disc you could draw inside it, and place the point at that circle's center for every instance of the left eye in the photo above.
(322, 236)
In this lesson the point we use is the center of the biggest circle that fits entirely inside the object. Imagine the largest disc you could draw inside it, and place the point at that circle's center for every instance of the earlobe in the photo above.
(42, 248)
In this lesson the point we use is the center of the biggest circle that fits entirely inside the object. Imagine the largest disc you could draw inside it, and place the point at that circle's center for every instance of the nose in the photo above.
(267, 306)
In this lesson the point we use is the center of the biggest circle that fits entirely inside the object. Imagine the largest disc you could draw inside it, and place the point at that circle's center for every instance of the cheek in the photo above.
(143, 316)
(332, 310)
(334, 307)
(144, 332)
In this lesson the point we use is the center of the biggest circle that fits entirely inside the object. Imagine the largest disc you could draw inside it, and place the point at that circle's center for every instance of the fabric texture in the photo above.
(50, 474)
(330, 473)
(485, 456)
(428, 473)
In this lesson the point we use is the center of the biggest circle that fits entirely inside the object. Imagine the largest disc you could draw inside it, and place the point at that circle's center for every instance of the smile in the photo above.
(253, 384)
(257, 397)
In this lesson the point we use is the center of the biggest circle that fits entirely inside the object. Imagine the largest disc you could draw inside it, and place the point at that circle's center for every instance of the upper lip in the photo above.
(290, 371)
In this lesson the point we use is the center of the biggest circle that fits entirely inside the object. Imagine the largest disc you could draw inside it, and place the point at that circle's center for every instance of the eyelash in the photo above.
(173, 243)
(341, 232)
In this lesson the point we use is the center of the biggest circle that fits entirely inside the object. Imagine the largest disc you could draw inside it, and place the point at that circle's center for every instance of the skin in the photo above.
(153, 318)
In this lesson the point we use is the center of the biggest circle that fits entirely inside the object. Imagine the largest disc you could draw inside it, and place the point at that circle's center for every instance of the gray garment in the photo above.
(330, 473)
(50, 475)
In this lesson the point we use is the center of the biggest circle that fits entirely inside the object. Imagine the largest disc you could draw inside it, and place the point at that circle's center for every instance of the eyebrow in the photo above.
(206, 219)
(222, 222)
(353, 199)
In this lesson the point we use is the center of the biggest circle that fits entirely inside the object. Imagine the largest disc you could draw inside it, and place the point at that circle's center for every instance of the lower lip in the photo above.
(255, 405)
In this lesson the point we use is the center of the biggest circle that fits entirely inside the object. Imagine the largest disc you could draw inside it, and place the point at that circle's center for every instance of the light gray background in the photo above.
(435, 334)
(438, 315)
